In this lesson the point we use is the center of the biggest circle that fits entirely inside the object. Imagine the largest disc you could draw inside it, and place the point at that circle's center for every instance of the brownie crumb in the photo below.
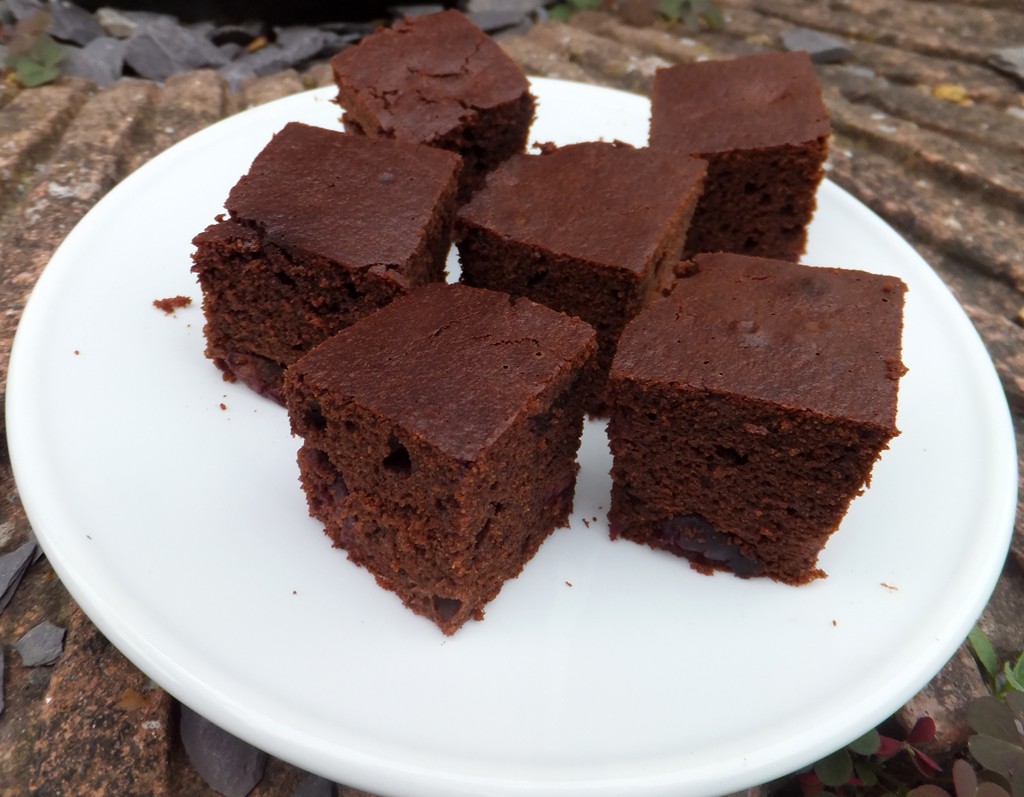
(171, 303)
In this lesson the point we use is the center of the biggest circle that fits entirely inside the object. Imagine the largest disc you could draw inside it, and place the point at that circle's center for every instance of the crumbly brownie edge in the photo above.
(744, 210)
(265, 307)
(682, 459)
(449, 566)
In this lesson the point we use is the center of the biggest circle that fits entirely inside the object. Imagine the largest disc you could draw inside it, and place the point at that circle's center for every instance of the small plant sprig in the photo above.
(864, 766)
(1004, 678)
(32, 54)
(695, 14)
(563, 11)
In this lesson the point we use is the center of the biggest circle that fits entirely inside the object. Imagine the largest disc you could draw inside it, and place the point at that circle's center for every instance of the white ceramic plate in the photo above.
(606, 668)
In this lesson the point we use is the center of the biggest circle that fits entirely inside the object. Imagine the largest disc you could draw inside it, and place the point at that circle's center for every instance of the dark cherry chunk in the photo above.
(593, 230)
(440, 438)
(437, 79)
(763, 128)
(748, 409)
(324, 229)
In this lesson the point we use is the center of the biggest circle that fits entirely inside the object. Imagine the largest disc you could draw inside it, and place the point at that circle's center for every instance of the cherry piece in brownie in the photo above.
(748, 410)
(761, 124)
(437, 79)
(324, 229)
(594, 230)
(439, 441)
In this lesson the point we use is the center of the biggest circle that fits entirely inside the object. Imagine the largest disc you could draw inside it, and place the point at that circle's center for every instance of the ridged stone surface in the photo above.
(926, 133)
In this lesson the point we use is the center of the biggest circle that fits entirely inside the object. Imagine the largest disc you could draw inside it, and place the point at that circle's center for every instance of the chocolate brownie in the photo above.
(437, 79)
(439, 441)
(593, 230)
(760, 123)
(748, 409)
(324, 229)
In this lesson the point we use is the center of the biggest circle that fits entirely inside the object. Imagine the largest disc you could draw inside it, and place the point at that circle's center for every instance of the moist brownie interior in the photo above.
(440, 437)
(763, 128)
(324, 229)
(593, 230)
(748, 409)
(437, 79)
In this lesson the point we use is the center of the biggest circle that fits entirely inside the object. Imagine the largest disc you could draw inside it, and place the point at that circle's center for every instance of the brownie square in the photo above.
(324, 229)
(760, 123)
(437, 79)
(439, 441)
(593, 230)
(748, 409)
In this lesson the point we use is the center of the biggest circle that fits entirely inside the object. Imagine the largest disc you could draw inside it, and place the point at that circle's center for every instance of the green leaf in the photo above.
(1017, 782)
(1000, 756)
(561, 12)
(671, 9)
(865, 773)
(46, 51)
(867, 744)
(989, 716)
(31, 73)
(1012, 678)
(582, 5)
(836, 769)
(984, 651)
(988, 789)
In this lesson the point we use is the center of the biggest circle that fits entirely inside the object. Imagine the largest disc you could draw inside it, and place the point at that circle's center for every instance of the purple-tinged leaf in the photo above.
(928, 790)
(12, 567)
(990, 716)
(965, 781)
(925, 764)
(922, 732)
(810, 784)
(1000, 756)
(1015, 700)
(227, 764)
(888, 747)
(42, 645)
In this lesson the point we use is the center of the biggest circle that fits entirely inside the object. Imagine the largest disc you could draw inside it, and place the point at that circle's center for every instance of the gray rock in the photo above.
(823, 49)
(241, 33)
(417, 10)
(314, 786)
(498, 19)
(265, 61)
(73, 24)
(1, 680)
(12, 567)
(3, 53)
(41, 645)
(163, 47)
(20, 9)
(525, 6)
(227, 764)
(1009, 60)
(101, 61)
(231, 50)
(116, 23)
(300, 42)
